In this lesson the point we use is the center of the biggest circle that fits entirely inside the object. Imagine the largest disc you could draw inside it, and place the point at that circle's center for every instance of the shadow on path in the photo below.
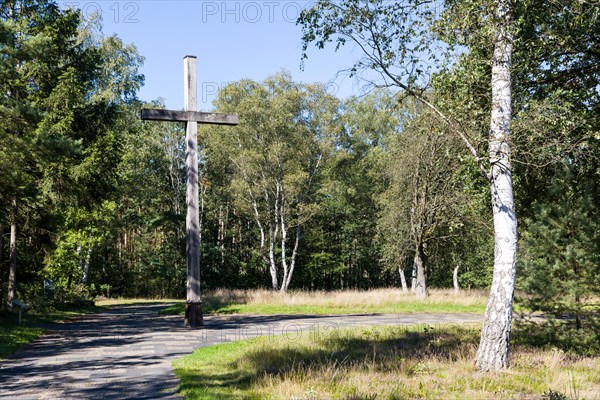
(127, 351)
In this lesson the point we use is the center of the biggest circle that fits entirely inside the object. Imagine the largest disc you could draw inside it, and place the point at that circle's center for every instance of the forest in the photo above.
(310, 191)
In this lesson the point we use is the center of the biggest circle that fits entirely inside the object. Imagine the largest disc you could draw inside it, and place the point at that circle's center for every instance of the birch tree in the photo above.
(278, 152)
(424, 195)
(493, 352)
(397, 42)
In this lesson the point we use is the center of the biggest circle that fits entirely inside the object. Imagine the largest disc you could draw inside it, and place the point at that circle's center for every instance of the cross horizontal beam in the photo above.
(188, 116)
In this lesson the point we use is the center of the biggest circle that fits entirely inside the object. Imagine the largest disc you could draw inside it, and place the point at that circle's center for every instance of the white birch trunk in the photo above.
(493, 352)
(260, 226)
(220, 226)
(272, 263)
(284, 264)
(293, 258)
(12, 274)
(455, 279)
(79, 257)
(273, 232)
(403, 280)
(86, 265)
(223, 216)
(271, 258)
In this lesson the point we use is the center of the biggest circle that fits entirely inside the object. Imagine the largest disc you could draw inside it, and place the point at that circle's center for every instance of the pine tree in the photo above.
(561, 262)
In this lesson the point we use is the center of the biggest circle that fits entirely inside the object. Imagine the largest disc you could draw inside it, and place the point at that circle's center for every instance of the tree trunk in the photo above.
(578, 325)
(421, 278)
(455, 279)
(493, 352)
(221, 234)
(1, 261)
(293, 259)
(201, 217)
(86, 265)
(80, 258)
(403, 280)
(284, 264)
(413, 277)
(273, 232)
(272, 264)
(12, 274)
(224, 234)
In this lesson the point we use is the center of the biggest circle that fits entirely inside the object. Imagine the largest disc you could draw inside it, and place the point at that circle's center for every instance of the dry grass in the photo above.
(349, 298)
(347, 301)
(382, 363)
(268, 302)
(102, 301)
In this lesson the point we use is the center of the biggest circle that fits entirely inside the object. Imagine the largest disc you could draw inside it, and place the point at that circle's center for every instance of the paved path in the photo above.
(126, 352)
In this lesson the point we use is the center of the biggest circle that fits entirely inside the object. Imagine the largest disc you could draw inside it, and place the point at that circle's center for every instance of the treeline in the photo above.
(309, 191)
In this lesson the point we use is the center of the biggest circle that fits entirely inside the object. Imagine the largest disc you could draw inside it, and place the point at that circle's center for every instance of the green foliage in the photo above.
(423, 204)
(560, 334)
(77, 296)
(396, 38)
(100, 191)
(277, 152)
(561, 252)
(343, 245)
(62, 139)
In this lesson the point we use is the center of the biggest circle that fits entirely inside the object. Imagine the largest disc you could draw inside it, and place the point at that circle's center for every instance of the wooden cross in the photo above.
(193, 308)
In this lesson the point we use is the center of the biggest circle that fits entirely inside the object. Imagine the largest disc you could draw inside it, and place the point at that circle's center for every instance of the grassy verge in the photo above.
(381, 363)
(13, 335)
(123, 302)
(266, 302)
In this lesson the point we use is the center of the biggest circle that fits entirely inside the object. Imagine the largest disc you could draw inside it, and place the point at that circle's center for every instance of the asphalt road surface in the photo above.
(126, 352)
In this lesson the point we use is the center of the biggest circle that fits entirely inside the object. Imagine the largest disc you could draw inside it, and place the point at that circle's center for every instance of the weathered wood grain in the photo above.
(154, 114)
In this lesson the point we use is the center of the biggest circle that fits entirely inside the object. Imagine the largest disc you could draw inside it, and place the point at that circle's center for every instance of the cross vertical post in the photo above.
(193, 305)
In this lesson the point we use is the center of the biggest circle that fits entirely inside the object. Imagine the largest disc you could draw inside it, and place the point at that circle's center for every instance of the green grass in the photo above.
(13, 336)
(381, 363)
(209, 374)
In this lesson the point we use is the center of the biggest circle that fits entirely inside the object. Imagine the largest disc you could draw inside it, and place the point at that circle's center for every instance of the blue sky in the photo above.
(232, 40)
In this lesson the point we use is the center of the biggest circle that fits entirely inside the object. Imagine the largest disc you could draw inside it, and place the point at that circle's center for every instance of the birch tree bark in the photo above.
(273, 233)
(86, 265)
(493, 352)
(1, 259)
(284, 263)
(455, 279)
(12, 274)
(403, 280)
(290, 272)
